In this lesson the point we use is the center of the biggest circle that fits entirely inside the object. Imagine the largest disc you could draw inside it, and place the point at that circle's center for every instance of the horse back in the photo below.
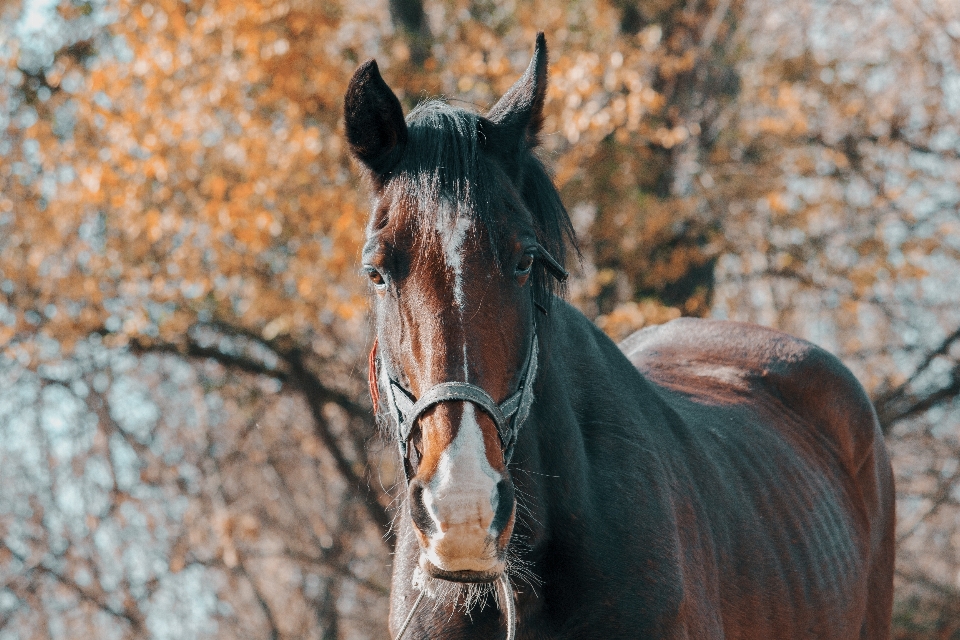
(785, 437)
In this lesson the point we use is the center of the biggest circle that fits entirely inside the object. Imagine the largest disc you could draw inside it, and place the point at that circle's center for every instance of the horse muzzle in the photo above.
(463, 535)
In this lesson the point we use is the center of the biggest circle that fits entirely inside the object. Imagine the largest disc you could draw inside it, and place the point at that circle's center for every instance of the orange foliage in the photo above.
(211, 182)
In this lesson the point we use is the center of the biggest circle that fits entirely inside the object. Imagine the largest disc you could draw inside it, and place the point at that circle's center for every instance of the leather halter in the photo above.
(508, 415)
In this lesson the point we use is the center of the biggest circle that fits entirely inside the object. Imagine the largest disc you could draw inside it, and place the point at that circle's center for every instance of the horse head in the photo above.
(460, 251)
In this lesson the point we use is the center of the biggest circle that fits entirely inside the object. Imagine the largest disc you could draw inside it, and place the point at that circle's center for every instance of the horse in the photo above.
(702, 479)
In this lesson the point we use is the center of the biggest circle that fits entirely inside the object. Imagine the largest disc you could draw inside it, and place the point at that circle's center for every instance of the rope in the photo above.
(406, 623)
(508, 609)
(508, 606)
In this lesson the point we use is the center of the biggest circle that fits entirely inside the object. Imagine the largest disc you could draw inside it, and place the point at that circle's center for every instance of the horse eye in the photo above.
(525, 264)
(375, 277)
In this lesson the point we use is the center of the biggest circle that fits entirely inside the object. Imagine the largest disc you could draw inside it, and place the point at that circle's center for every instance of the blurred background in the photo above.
(186, 444)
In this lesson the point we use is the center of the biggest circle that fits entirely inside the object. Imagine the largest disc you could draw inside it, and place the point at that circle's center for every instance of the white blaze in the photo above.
(461, 497)
(453, 231)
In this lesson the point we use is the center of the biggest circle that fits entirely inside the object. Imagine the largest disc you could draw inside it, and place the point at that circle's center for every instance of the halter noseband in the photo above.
(508, 416)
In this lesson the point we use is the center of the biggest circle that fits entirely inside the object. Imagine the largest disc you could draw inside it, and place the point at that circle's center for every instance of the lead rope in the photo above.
(508, 608)
(406, 623)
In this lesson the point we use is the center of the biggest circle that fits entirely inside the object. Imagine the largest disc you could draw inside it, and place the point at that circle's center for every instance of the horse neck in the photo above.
(581, 374)
(580, 371)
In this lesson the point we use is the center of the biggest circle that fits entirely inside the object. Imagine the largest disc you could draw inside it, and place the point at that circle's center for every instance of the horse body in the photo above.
(702, 480)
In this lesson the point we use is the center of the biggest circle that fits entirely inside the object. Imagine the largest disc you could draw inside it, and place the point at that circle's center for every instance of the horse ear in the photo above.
(374, 121)
(520, 110)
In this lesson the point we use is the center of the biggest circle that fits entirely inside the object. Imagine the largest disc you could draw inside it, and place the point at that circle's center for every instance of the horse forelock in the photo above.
(449, 171)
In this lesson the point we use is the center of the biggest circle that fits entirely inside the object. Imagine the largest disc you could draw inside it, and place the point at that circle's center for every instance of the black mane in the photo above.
(452, 158)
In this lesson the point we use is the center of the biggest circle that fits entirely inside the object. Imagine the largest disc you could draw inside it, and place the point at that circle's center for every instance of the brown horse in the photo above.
(702, 479)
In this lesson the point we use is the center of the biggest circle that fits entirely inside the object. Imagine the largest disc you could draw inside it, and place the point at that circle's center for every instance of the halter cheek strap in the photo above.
(405, 409)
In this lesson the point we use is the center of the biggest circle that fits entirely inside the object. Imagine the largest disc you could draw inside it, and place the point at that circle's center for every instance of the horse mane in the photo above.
(448, 166)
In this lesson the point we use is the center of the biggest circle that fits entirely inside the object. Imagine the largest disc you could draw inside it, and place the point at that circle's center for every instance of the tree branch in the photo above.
(7, 618)
(284, 355)
(845, 147)
(939, 498)
(899, 404)
(315, 395)
(241, 570)
(297, 376)
(193, 350)
(408, 16)
(713, 25)
(134, 618)
(923, 580)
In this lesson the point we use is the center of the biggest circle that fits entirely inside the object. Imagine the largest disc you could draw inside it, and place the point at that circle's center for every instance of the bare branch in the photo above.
(191, 349)
(713, 25)
(900, 404)
(939, 499)
(315, 395)
(340, 569)
(408, 16)
(951, 594)
(845, 147)
(133, 617)
(330, 559)
(241, 570)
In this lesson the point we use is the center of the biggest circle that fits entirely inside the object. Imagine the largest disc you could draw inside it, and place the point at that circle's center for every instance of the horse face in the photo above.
(453, 299)
(451, 312)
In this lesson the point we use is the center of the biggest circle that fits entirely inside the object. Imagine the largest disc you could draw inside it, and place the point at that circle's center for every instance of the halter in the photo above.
(509, 415)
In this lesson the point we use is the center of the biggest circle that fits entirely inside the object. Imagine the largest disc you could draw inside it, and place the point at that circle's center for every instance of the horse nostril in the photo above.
(505, 498)
(418, 510)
